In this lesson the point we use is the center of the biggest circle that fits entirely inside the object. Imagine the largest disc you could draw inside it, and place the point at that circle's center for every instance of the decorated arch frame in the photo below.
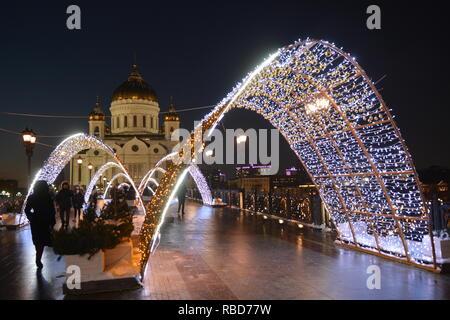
(338, 125)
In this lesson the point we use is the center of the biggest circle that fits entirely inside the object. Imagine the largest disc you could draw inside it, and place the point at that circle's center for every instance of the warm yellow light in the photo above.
(311, 108)
(319, 104)
(27, 137)
(90, 166)
(79, 160)
(33, 139)
(322, 103)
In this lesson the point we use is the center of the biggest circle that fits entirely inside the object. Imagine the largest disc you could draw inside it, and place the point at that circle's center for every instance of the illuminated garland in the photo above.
(123, 184)
(201, 183)
(65, 151)
(62, 154)
(97, 176)
(338, 125)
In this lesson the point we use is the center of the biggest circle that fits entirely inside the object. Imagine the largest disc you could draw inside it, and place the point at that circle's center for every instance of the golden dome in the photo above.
(134, 88)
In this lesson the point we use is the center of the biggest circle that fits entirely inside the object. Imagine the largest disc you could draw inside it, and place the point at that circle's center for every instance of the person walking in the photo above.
(78, 202)
(64, 200)
(40, 211)
(93, 199)
(181, 199)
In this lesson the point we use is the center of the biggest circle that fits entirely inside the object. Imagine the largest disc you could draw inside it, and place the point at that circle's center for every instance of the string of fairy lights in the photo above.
(66, 150)
(337, 124)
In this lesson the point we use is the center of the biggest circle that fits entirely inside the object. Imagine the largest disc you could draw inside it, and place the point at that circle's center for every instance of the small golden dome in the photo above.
(97, 113)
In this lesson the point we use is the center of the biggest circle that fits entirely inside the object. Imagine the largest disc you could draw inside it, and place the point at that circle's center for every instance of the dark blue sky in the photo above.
(197, 51)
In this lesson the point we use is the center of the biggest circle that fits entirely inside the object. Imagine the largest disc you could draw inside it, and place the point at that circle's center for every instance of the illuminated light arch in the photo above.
(154, 181)
(201, 183)
(151, 190)
(340, 128)
(125, 175)
(97, 176)
(148, 177)
(151, 171)
(123, 184)
(65, 151)
(113, 179)
(196, 175)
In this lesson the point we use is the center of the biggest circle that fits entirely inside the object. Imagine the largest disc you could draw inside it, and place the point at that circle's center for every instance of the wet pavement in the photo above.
(225, 254)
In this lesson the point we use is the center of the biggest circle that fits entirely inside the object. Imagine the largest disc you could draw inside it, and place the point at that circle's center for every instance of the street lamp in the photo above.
(29, 141)
(90, 166)
(79, 162)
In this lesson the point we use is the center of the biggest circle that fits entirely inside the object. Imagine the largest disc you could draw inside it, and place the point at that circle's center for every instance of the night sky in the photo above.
(197, 51)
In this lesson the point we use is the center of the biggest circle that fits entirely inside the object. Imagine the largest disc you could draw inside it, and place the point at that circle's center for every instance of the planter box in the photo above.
(91, 269)
(109, 270)
(13, 220)
(442, 247)
(123, 251)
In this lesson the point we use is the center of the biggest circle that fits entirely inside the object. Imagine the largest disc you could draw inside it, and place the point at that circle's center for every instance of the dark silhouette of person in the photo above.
(78, 201)
(181, 198)
(40, 211)
(64, 200)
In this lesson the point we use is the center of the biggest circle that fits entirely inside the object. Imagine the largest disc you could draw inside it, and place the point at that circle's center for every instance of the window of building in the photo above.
(151, 122)
(144, 121)
(118, 122)
(125, 121)
(135, 121)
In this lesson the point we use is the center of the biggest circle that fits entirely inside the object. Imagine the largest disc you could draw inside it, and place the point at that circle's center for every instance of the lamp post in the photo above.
(79, 162)
(29, 141)
(90, 166)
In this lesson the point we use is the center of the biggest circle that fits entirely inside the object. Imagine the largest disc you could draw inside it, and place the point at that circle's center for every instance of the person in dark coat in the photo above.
(64, 200)
(93, 199)
(40, 211)
(78, 201)
(181, 199)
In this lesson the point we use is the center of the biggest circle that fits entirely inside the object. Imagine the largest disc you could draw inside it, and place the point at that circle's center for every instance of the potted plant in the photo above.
(100, 244)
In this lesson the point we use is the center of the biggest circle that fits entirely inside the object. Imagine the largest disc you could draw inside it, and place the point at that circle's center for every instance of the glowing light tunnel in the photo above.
(338, 125)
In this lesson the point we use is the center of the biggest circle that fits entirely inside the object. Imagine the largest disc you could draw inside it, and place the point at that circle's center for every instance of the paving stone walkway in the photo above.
(225, 254)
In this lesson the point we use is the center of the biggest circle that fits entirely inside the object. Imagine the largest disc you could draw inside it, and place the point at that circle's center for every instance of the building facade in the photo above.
(133, 131)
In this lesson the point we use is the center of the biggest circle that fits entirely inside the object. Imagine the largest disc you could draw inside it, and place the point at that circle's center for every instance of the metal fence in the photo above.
(305, 208)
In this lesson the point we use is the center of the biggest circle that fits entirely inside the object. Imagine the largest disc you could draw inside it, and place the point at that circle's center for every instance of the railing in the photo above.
(305, 208)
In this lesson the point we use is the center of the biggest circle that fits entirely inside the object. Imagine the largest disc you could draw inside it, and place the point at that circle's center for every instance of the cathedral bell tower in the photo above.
(171, 121)
(97, 121)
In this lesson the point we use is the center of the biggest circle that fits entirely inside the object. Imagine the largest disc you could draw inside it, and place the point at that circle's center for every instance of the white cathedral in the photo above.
(134, 132)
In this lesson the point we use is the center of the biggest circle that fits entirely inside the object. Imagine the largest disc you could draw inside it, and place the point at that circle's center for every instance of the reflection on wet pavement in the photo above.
(225, 254)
